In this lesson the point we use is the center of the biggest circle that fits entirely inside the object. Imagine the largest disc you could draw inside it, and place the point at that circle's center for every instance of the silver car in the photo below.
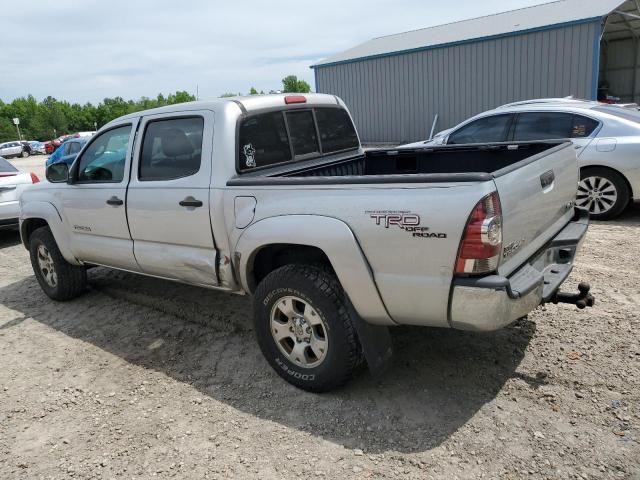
(606, 139)
(12, 183)
(13, 149)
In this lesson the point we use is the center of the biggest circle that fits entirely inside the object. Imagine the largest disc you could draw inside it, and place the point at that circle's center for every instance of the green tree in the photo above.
(253, 91)
(291, 84)
(51, 117)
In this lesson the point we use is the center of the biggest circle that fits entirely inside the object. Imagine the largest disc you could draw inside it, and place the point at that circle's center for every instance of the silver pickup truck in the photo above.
(274, 196)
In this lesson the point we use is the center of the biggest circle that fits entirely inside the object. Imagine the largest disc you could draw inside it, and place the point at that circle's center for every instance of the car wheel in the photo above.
(603, 192)
(304, 328)
(24, 154)
(58, 278)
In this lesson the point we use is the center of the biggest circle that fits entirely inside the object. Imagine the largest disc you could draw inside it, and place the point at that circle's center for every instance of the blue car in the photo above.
(68, 151)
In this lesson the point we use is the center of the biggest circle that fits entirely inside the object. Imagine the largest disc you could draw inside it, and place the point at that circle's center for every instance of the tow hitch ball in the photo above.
(581, 300)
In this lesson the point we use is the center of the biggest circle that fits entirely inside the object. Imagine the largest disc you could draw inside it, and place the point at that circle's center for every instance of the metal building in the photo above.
(396, 85)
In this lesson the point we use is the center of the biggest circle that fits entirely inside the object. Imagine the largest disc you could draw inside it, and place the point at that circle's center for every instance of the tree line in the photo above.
(50, 118)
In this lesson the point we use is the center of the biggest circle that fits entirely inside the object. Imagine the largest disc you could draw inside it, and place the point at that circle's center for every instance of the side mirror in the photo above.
(58, 172)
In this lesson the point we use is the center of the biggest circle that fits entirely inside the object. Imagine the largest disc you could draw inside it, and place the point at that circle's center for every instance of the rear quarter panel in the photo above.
(412, 272)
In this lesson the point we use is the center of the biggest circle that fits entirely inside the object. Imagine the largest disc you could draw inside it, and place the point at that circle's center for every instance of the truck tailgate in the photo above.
(537, 198)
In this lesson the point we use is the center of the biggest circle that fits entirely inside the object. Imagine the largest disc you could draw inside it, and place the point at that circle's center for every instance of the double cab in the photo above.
(273, 196)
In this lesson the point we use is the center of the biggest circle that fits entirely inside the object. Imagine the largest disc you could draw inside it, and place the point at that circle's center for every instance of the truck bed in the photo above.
(439, 164)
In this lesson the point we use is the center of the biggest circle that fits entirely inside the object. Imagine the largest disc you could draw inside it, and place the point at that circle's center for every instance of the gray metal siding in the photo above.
(395, 98)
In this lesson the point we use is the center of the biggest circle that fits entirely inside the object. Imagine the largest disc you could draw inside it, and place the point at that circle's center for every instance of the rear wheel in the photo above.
(603, 192)
(58, 278)
(24, 153)
(304, 328)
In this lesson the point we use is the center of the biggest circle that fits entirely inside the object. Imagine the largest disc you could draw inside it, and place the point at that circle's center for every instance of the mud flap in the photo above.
(376, 344)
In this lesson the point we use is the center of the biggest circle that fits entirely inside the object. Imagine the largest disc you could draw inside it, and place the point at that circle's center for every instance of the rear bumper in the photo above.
(490, 303)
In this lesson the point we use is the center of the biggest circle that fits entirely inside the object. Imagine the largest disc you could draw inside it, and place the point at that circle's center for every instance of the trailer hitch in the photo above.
(582, 299)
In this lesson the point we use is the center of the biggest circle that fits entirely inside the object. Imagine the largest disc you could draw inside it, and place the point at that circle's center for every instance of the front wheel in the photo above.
(603, 192)
(304, 328)
(58, 278)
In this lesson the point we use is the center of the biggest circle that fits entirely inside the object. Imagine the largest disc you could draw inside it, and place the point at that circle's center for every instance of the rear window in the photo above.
(302, 130)
(6, 167)
(271, 138)
(336, 130)
(263, 141)
(620, 112)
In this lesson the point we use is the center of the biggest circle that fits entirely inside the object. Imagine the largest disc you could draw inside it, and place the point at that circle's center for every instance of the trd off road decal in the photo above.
(249, 155)
(407, 221)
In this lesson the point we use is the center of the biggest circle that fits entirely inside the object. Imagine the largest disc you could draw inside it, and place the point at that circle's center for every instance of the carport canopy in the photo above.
(619, 53)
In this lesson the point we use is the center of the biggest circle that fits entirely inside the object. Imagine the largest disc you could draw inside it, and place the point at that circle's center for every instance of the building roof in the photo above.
(537, 17)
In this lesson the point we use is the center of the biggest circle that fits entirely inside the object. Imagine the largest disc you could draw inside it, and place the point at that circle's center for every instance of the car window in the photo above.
(302, 130)
(620, 112)
(104, 159)
(74, 147)
(67, 148)
(484, 130)
(336, 130)
(171, 149)
(583, 126)
(543, 126)
(263, 140)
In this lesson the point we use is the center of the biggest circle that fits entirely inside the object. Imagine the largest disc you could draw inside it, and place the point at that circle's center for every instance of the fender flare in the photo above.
(335, 239)
(49, 213)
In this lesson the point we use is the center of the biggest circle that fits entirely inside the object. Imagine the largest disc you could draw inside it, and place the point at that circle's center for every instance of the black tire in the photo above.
(25, 153)
(70, 279)
(618, 182)
(322, 291)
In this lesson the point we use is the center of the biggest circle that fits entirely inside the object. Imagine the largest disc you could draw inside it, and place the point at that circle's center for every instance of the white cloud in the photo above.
(94, 49)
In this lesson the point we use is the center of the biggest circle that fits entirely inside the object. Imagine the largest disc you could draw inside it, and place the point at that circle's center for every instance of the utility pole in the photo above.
(197, 92)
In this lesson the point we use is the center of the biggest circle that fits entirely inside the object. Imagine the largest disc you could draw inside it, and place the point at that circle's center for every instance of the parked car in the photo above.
(26, 147)
(335, 244)
(50, 147)
(12, 184)
(68, 151)
(606, 139)
(37, 148)
(14, 149)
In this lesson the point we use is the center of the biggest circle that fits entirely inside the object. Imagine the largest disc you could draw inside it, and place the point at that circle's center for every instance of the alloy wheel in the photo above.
(597, 194)
(299, 331)
(45, 262)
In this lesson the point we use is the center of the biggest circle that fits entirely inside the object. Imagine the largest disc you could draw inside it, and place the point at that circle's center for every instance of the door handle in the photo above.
(115, 201)
(191, 202)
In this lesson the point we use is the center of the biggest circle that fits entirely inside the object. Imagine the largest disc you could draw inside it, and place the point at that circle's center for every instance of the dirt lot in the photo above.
(141, 378)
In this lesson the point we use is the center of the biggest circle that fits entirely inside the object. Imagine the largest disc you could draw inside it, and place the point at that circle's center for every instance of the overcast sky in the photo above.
(85, 51)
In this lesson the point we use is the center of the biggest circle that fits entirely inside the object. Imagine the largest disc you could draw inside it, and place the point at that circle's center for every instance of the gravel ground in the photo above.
(142, 378)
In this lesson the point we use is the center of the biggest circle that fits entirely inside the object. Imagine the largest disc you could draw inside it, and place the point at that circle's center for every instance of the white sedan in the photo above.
(606, 138)
(12, 183)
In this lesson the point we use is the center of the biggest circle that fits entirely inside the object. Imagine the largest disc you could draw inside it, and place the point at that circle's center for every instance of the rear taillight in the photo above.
(479, 251)
(34, 178)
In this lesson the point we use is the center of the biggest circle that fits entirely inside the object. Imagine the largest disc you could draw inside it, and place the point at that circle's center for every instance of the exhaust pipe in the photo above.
(582, 299)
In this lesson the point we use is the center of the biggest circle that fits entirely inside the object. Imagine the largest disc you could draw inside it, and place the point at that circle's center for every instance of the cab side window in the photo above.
(171, 149)
(104, 159)
(484, 130)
